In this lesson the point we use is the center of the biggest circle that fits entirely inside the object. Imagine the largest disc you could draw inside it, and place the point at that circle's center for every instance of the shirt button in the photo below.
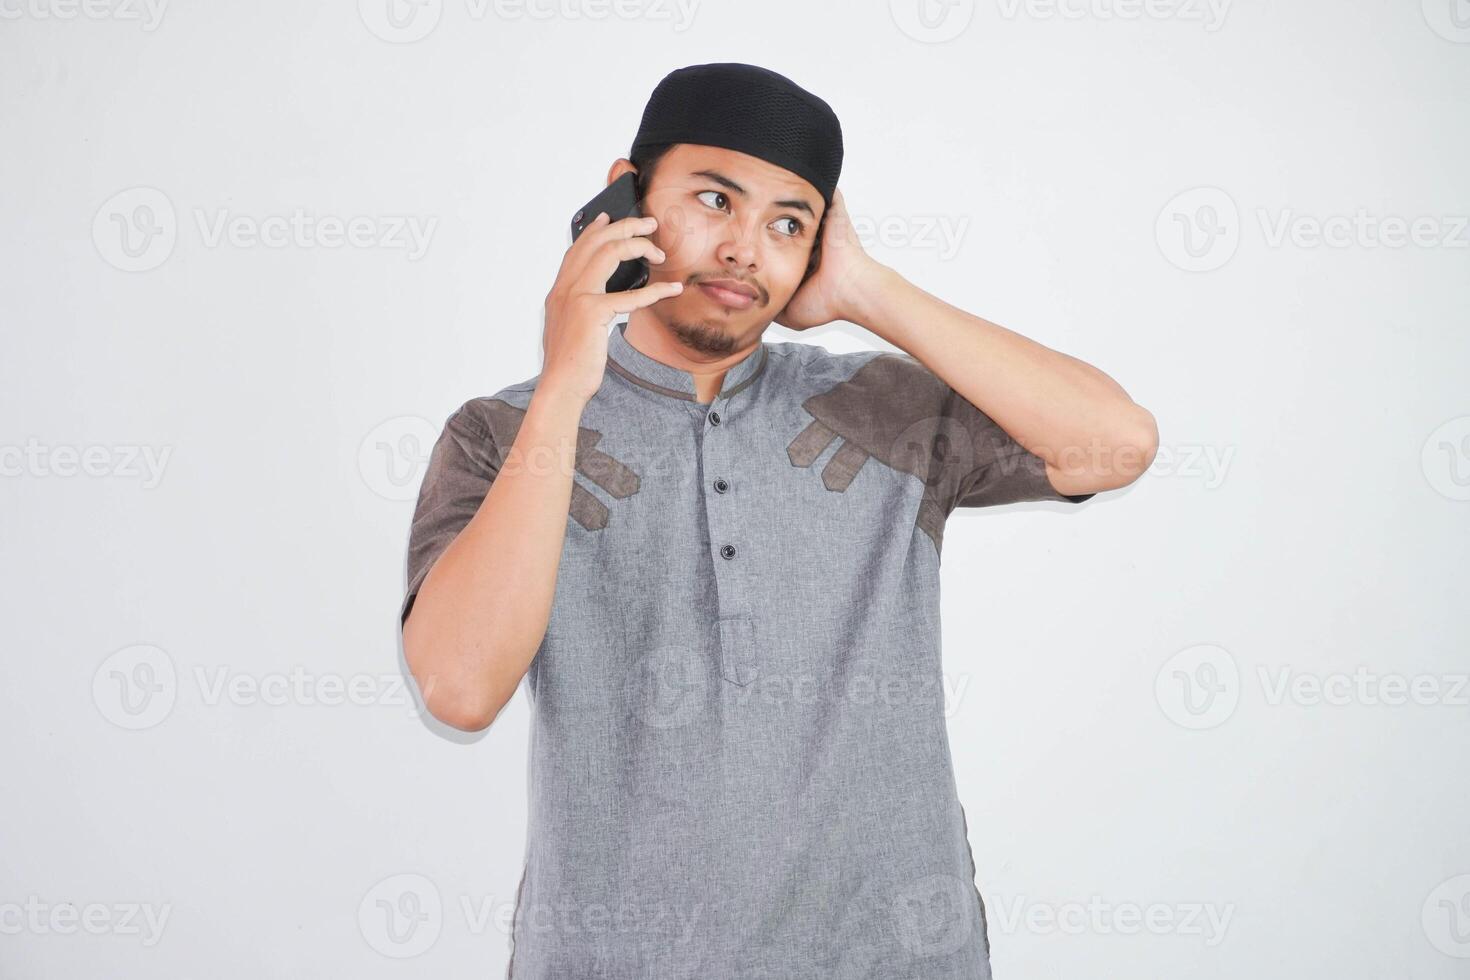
(714, 418)
(728, 551)
(721, 486)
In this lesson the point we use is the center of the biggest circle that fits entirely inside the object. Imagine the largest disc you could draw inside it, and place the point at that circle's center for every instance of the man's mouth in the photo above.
(728, 292)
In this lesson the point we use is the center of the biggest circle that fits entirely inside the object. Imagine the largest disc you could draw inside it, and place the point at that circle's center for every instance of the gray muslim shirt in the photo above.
(739, 766)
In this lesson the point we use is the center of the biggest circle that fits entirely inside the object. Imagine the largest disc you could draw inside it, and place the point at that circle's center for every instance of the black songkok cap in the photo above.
(749, 109)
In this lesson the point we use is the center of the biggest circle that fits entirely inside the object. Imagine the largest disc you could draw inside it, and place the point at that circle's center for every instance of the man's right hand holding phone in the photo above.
(579, 308)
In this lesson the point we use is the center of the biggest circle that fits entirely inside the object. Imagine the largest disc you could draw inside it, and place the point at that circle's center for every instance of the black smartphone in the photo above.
(620, 200)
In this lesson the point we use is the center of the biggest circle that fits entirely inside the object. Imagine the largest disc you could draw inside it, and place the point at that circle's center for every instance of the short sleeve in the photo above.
(994, 467)
(462, 466)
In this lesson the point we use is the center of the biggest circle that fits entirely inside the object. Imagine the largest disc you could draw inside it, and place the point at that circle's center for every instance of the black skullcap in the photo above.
(749, 109)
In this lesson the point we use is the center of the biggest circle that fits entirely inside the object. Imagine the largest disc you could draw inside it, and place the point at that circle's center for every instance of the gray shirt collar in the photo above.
(628, 361)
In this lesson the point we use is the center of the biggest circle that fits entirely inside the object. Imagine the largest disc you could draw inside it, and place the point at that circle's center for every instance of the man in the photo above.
(715, 562)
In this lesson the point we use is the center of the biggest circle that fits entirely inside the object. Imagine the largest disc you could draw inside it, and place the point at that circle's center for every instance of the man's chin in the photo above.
(703, 335)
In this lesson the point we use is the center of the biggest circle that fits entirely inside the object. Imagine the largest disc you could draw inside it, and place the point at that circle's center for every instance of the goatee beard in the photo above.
(703, 338)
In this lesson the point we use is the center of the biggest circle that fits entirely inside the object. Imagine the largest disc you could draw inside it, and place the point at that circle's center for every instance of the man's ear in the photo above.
(620, 166)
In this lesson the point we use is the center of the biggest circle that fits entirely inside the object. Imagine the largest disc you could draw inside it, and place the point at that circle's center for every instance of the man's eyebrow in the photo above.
(729, 184)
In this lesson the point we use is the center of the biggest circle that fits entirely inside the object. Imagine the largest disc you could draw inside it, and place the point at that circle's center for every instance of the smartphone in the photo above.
(620, 200)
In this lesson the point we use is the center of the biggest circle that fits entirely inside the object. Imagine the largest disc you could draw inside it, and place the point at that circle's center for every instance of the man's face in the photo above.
(726, 215)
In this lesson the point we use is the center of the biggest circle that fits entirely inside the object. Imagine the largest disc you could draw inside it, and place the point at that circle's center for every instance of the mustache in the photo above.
(761, 296)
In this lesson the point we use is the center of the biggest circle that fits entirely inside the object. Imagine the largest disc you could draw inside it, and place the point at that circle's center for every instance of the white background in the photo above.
(1120, 736)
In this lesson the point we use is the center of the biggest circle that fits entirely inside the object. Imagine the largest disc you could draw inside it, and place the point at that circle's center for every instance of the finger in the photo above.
(595, 238)
(636, 299)
(603, 230)
(607, 259)
(583, 242)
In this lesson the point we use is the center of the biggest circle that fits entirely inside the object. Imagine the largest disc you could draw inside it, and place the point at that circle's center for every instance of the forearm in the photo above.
(1062, 409)
(482, 611)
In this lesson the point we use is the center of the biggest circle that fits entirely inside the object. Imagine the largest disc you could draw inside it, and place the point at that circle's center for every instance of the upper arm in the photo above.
(996, 469)
(462, 466)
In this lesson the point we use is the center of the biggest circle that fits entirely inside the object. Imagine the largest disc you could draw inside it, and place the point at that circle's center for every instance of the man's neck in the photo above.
(648, 335)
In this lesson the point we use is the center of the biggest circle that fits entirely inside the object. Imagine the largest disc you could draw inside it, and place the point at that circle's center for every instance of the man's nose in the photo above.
(741, 247)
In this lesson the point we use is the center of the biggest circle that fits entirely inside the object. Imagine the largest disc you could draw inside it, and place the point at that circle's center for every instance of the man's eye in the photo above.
(717, 194)
(796, 226)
